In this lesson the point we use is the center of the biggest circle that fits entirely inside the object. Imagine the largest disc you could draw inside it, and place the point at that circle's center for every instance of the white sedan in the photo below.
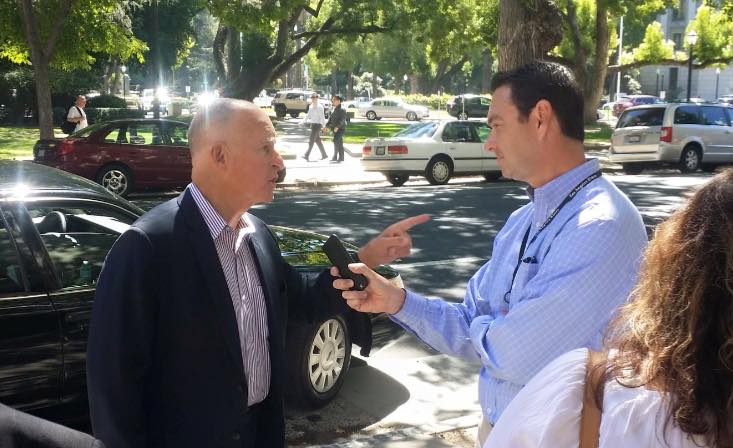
(392, 108)
(437, 150)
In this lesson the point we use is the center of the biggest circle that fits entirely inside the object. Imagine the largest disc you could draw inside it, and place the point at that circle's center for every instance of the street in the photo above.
(404, 385)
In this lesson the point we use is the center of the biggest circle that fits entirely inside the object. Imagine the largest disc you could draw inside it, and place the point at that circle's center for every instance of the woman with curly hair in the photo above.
(667, 380)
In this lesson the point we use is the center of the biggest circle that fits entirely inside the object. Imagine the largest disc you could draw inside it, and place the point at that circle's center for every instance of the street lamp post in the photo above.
(404, 79)
(123, 69)
(691, 41)
(717, 81)
(657, 82)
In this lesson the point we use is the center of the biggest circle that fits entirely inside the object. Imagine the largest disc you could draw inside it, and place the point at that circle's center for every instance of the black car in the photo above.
(55, 231)
(466, 106)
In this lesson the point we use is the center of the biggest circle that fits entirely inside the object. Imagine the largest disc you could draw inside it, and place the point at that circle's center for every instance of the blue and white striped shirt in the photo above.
(245, 288)
(586, 264)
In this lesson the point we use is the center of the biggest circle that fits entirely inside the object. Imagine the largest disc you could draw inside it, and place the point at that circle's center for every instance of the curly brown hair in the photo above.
(676, 334)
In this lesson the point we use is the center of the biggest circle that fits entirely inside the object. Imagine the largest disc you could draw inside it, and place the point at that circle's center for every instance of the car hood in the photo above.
(305, 250)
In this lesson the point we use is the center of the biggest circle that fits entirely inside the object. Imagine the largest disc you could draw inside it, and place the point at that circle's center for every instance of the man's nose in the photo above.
(278, 160)
(490, 144)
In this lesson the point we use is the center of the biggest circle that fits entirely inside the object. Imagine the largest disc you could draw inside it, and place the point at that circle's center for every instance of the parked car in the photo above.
(688, 136)
(633, 100)
(124, 155)
(294, 102)
(263, 99)
(55, 231)
(356, 102)
(437, 150)
(392, 108)
(465, 106)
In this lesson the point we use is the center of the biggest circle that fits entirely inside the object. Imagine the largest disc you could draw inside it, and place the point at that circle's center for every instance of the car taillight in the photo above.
(666, 134)
(65, 147)
(366, 150)
(398, 149)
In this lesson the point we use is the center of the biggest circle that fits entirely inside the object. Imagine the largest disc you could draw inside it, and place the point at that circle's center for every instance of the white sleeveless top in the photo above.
(546, 413)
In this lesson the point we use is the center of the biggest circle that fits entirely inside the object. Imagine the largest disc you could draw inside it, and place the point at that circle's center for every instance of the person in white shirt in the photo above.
(316, 119)
(669, 372)
(76, 114)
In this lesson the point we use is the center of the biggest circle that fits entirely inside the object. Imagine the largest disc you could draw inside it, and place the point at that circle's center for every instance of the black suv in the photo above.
(465, 106)
(55, 231)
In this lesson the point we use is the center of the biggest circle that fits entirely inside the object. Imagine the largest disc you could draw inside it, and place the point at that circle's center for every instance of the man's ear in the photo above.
(543, 114)
(217, 153)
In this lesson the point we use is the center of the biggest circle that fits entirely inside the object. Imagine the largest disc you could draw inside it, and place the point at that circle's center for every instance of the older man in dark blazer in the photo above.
(186, 346)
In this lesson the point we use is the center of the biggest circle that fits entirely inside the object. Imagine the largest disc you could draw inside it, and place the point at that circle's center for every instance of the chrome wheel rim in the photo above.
(115, 181)
(440, 171)
(691, 160)
(326, 356)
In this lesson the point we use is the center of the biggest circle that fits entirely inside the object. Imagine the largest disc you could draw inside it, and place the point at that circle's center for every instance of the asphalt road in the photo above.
(448, 249)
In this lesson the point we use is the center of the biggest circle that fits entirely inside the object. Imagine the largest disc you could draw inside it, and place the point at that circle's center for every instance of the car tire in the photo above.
(295, 114)
(371, 115)
(397, 180)
(280, 111)
(689, 159)
(319, 355)
(632, 168)
(492, 176)
(439, 170)
(116, 178)
(463, 116)
(411, 116)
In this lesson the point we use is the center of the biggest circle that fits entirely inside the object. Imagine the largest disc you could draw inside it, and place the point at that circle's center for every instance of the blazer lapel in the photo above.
(210, 266)
(266, 265)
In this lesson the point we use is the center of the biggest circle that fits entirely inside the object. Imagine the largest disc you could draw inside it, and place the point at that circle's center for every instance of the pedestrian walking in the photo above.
(76, 118)
(337, 124)
(315, 118)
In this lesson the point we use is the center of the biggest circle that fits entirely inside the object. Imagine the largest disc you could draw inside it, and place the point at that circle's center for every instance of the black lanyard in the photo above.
(525, 245)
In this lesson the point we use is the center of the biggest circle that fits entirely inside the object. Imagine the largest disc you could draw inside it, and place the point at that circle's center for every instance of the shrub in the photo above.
(106, 101)
(96, 115)
(437, 102)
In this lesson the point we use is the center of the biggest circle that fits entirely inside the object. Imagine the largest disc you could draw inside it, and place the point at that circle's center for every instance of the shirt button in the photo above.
(235, 436)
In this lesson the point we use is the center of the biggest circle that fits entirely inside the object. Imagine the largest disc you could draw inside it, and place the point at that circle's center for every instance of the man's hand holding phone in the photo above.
(380, 296)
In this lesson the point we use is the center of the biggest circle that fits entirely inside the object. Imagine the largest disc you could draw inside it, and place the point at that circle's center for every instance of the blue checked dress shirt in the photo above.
(585, 264)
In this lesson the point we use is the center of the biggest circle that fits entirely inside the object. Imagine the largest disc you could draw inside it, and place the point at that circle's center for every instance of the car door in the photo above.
(31, 353)
(488, 158)
(77, 236)
(176, 137)
(139, 145)
(716, 133)
(464, 146)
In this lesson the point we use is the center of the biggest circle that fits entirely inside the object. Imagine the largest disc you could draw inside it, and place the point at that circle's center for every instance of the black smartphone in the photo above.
(340, 258)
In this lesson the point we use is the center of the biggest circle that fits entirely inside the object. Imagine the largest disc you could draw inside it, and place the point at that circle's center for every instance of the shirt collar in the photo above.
(549, 196)
(213, 219)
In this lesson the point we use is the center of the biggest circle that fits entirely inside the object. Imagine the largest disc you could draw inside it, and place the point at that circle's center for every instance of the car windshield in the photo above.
(418, 130)
(651, 116)
(81, 133)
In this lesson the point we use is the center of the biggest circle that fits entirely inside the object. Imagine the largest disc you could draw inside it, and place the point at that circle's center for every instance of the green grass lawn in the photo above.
(17, 141)
(599, 133)
(358, 132)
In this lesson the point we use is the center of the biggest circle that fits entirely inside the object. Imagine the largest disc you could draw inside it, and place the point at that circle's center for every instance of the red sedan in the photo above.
(123, 155)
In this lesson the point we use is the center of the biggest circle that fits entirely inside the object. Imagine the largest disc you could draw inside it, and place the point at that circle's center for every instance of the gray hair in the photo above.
(217, 113)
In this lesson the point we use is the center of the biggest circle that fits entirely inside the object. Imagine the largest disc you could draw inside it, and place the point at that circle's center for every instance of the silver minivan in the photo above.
(688, 136)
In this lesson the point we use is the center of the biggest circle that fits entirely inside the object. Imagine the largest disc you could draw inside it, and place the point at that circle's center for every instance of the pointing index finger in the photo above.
(407, 223)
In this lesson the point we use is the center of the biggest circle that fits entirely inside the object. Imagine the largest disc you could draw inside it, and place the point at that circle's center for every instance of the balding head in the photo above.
(214, 120)
(233, 156)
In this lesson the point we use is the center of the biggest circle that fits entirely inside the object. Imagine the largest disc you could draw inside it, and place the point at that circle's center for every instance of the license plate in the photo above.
(380, 150)
(634, 138)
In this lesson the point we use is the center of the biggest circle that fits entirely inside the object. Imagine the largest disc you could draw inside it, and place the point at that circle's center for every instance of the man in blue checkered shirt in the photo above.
(561, 265)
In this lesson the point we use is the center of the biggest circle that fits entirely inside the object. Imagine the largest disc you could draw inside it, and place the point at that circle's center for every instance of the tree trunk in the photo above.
(486, 71)
(350, 85)
(596, 80)
(219, 49)
(234, 54)
(43, 92)
(527, 31)
(375, 84)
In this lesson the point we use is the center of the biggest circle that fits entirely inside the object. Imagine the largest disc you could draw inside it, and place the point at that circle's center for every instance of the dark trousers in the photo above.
(316, 138)
(338, 145)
